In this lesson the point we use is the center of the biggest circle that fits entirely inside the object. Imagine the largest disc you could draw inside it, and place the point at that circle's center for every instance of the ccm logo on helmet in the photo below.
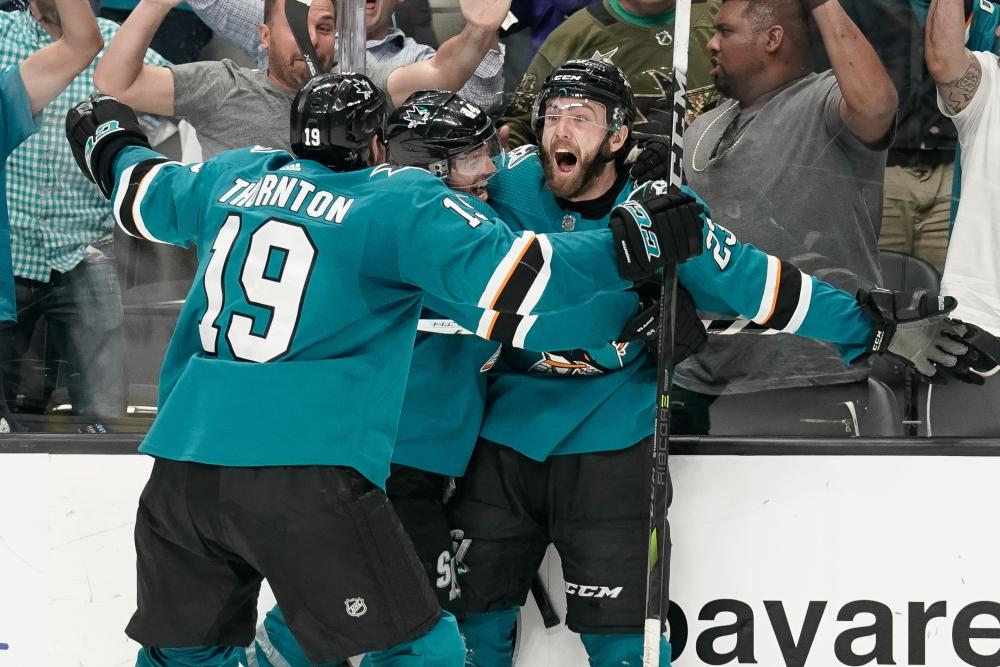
(567, 77)
(593, 591)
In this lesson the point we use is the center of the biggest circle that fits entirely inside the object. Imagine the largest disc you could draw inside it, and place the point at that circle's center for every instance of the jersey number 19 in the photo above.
(282, 294)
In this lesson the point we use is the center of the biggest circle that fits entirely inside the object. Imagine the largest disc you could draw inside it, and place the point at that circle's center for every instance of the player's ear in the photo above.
(376, 154)
(264, 32)
(618, 139)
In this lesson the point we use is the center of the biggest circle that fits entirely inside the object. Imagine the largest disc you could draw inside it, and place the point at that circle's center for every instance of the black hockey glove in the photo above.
(656, 230)
(917, 330)
(653, 162)
(689, 333)
(97, 129)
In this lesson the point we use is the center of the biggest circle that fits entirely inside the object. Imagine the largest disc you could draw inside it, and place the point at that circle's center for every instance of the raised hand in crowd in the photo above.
(458, 58)
(954, 68)
(48, 71)
(123, 73)
(870, 100)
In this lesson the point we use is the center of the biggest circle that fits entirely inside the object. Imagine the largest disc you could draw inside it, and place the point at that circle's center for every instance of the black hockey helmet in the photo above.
(333, 118)
(434, 128)
(596, 80)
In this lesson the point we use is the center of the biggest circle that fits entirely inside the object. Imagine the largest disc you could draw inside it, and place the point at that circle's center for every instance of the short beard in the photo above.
(289, 75)
(587, 176)
(722, 85)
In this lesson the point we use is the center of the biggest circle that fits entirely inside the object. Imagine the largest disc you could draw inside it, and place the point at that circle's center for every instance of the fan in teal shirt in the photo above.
(16, 125)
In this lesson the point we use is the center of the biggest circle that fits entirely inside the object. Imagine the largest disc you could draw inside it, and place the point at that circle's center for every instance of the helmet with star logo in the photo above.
(333, 119)
(596, 80)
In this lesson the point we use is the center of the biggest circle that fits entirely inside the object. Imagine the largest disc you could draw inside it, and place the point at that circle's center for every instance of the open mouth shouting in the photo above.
(371, 6)
(566, 160)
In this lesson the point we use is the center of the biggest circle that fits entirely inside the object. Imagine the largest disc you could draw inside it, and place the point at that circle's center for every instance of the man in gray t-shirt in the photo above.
(793, 163)
(231, 106)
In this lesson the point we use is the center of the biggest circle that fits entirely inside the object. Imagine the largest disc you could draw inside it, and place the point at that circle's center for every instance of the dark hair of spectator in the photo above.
(792, 15)
(269, 7)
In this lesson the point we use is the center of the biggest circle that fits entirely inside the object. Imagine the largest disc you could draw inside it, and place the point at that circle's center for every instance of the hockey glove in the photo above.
(653, 162)
(689, 333)
(982, 359)
(97, 129)
(916, 330)
(656, 230)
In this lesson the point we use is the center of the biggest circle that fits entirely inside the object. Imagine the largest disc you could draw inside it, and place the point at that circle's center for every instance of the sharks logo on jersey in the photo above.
(575, 362)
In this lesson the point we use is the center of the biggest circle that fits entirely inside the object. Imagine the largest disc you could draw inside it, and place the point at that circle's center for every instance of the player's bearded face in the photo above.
(574, 151)
(284, 59)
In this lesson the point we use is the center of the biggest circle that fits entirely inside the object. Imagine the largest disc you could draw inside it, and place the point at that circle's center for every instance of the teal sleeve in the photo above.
(15, 111)
(730, 277)
(591, 325)
(457, 254)
(155, 198)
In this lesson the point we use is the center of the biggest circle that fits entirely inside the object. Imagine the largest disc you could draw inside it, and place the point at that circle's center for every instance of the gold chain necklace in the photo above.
(713, 160)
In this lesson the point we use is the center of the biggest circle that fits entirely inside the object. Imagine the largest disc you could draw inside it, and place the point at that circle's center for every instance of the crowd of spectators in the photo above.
(820, 131)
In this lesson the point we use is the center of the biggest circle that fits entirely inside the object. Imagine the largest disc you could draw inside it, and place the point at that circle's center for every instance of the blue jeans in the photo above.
(83, 312)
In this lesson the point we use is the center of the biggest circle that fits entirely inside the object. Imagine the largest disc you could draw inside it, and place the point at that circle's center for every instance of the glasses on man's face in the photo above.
(577, 114)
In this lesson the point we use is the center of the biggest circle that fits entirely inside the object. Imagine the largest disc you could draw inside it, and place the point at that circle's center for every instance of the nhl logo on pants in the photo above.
(355, 607)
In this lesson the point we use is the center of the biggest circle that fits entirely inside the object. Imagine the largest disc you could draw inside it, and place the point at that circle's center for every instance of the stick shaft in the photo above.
(658, 552)
(297, 15)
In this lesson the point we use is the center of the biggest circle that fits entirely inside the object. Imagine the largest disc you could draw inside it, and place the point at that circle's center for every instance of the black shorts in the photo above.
(593, 507)
(328, 542)
(419, 499)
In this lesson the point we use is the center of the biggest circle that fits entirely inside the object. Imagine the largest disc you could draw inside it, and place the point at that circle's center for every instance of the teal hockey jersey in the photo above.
(446, 390)
(587, 409)
(294, 342)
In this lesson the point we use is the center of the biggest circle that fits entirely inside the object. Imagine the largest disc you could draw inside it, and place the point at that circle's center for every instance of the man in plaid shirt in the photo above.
(61, 244)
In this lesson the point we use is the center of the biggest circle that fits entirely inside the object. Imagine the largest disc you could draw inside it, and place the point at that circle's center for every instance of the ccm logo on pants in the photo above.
(592, 591)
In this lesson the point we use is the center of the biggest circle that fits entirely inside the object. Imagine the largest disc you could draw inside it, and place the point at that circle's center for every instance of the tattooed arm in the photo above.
(954, 68)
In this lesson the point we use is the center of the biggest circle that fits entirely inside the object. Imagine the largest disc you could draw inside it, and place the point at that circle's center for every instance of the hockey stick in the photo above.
(297, 15)
(550, 618)
(658, 556)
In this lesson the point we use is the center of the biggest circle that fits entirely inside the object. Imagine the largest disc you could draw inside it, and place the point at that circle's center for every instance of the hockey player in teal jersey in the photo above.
(565, 445)
(305, 306)
(446, 388)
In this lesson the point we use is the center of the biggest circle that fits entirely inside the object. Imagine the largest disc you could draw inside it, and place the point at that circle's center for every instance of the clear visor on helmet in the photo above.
(580, 113)
(471, 170)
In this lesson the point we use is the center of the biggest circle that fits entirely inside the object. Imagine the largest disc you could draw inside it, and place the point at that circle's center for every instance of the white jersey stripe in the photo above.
(802, 309)
(123, 181)
(770, 290)
(486, 323)
(140, 224)
(522, 330)
(541, 280)
(503, 270)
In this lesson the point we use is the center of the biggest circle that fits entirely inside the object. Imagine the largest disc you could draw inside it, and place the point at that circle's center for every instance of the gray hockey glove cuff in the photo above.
(97, 129)
(689, 333)
(915, 329)
(656, 230)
